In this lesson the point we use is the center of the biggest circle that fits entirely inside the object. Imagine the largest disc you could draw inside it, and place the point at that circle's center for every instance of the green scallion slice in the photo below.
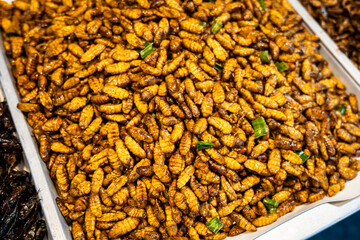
(260, 127)
(147, 50)
(281, 66)
(218, 67)
(204, 145)
(269, 202)
(216, 26)
(153, 115)
(262, 4)
(341, 109)
(303, 156)
(215, 225)
(271, 205)
(272, 210)
(202, 24)
(264, 56)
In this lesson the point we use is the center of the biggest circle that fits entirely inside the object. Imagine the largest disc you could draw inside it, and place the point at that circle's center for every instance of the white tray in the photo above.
(305, 221)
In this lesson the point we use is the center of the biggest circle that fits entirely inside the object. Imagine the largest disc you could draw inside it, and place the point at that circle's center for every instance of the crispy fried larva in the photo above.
(77, 231)
(191, 199)
(274, 161)
(144, 113)
(243, 222)
(123, 227)
(265, 220)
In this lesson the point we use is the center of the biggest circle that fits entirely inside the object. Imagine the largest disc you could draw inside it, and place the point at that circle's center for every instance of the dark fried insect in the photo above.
(19, 204)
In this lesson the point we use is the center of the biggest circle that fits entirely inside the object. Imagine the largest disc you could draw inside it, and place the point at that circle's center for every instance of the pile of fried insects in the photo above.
(341, 20)
(180, 120)
(19, 204)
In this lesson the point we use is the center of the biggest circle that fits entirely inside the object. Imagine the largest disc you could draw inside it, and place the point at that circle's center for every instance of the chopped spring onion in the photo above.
(12, 34)
(204, 145)
(264, 56)
(153, 115)
(171, 33)
(281, 66)
(216, 26)
(269, 202)
(87, 100)
(218, 67)
(272, 210)
(341, 109)
(142, 121)
(271, 205)
(147, 50)
(260, 127)
(262, 4)
(215, 225)
(303, 156)
(202, 24)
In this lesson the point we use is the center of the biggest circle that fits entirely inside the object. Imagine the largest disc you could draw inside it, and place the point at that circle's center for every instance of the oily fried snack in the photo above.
(155, 117)
(341, 20)
(21, 214)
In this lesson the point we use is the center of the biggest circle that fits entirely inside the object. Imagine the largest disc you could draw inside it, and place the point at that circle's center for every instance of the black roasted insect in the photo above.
(19, 204)
(37, 230)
